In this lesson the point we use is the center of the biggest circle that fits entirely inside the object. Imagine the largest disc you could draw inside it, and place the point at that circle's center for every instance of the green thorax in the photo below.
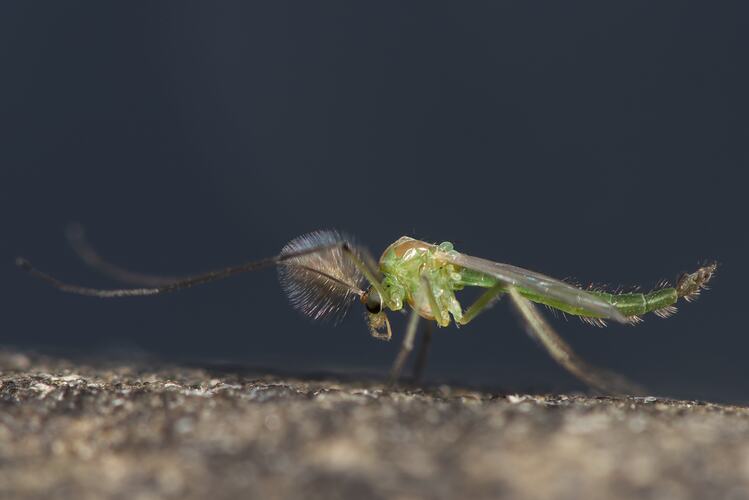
(408, 264)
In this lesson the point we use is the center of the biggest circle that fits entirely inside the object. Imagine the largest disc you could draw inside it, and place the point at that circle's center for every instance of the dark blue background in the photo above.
(606, 142)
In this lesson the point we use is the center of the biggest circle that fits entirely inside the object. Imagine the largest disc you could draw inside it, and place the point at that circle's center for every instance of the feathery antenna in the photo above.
(179, 284)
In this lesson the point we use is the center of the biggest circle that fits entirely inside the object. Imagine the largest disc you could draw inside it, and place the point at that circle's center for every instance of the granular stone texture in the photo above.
(73, 430)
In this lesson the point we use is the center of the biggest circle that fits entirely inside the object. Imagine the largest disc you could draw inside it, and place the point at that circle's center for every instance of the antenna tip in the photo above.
(23, 263)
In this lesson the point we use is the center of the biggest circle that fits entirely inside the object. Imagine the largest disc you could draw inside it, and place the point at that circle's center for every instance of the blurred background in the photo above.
(602, 141)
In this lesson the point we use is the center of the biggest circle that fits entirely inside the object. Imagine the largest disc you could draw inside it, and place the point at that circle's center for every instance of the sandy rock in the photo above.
(110, 430)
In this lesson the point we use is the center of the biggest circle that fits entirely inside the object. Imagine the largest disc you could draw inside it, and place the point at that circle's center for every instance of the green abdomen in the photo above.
(629, 304)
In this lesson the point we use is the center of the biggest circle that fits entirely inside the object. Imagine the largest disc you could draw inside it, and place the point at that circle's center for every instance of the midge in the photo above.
(324, 272)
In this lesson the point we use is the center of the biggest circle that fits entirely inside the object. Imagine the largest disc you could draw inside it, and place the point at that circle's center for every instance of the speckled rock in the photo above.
(110, 430)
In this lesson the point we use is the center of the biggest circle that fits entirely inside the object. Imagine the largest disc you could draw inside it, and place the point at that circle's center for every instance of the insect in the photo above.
(324, 272)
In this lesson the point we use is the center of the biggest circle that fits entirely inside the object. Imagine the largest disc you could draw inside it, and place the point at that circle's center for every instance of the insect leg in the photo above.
(483, 302)
(538, 329)
(406, 347)
(421, 358)
(439, 316)
(365, 269)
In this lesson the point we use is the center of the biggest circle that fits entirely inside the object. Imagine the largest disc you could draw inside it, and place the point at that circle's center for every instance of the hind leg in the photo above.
(538, 329)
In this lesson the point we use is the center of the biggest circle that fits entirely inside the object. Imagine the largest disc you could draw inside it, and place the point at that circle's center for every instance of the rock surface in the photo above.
(110, 430)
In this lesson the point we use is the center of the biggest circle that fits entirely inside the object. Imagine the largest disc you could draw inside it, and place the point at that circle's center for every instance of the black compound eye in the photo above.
(372, 301)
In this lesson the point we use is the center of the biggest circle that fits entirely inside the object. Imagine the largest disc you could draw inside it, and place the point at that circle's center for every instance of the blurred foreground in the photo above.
(109, 430)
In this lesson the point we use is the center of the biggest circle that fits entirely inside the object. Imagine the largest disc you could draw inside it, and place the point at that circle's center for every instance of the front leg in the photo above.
(406, 347)
(440, 315)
